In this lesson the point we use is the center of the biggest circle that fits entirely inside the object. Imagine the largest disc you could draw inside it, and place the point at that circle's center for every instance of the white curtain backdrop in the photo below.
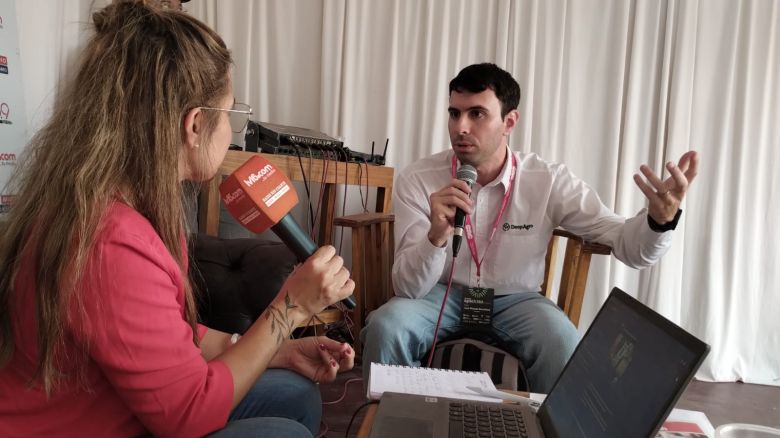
(607, 86)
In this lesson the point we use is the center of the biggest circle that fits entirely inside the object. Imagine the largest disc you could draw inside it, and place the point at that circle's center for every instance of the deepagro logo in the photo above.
(507, 226)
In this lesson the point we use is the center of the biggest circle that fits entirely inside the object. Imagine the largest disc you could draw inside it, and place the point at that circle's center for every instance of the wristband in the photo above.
(658, 228)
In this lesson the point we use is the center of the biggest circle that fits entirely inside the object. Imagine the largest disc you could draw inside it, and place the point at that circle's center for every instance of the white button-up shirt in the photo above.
(545, 196)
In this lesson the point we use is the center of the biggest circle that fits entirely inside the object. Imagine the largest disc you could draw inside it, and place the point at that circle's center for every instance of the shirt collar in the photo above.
(503, 176)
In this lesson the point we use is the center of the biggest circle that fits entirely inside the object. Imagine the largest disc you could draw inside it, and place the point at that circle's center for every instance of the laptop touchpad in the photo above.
(406, 427)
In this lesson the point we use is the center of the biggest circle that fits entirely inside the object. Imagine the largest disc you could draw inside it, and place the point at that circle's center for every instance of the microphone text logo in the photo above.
(260, 175)
(233, 196)
(276, 193)
(3, 65)
(7, 159)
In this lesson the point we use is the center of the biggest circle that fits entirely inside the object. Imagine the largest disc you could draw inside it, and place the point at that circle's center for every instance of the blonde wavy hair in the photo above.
(116, 130)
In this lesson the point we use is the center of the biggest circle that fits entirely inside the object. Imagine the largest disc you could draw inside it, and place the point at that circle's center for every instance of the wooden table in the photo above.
(368, 421)
(329, 173)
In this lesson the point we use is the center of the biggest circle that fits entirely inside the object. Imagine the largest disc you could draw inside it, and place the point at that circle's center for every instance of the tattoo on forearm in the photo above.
(281, 323)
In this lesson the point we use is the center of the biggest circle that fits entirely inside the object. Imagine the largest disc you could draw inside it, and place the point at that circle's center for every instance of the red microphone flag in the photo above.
(258, 195)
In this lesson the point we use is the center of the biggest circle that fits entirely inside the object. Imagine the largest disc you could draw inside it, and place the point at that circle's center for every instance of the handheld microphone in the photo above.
(468, 174)
(260, 196)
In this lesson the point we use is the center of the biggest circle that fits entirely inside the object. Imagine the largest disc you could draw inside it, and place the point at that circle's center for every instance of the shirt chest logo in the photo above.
(522, 227)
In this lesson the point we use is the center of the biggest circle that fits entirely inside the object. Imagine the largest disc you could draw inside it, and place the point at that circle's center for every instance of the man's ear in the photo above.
(191, 128)
(510, 121)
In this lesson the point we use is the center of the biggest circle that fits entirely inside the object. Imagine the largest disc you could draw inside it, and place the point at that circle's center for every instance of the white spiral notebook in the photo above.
(428, 381)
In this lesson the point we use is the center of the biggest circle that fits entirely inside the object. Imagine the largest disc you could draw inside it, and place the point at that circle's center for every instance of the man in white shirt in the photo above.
(516, 202)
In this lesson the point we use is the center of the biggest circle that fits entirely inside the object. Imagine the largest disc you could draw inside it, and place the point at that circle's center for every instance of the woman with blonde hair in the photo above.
(98, 325)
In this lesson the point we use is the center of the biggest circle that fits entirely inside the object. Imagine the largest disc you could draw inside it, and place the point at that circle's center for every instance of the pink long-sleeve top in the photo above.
(142, 372)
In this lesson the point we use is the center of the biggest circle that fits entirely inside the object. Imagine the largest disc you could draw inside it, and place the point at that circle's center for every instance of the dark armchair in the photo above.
(236, 279)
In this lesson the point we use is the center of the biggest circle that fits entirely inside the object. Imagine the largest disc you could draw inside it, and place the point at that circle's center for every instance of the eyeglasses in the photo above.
(238, 115)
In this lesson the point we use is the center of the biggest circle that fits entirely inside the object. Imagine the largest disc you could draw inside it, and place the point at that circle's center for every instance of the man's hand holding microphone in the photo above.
(449, 208)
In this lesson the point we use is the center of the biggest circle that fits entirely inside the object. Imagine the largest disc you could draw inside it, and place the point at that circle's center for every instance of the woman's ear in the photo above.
(192, 128)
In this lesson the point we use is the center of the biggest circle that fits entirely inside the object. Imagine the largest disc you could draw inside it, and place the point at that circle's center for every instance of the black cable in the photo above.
(344, 199)
(360, 183)
(311, 166)
(311, 170)
(305, 182)
(365, 205)
(346, 155)
(325, 162)
(333, 155)
(363, 202)
(351, 420)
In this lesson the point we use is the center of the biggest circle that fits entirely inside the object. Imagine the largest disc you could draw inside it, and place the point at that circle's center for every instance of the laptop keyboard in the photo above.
(469, 420)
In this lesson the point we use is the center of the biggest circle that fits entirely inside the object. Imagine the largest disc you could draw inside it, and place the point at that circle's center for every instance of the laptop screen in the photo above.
(625, 375)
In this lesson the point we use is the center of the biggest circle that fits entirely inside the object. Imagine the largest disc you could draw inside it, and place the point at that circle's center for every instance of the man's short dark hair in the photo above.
(477, 78)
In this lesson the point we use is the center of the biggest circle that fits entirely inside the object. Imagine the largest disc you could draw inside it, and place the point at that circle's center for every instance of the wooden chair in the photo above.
(372, 262)
(574, 273)
(372, 258)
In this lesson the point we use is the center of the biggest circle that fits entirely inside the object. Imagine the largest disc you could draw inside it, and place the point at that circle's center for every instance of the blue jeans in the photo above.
(532, 327)
(280, 404)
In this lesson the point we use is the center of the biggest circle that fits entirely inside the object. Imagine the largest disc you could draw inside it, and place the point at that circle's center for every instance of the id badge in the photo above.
(477, 307)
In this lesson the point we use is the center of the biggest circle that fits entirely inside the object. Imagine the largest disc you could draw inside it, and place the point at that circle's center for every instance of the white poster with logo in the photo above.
(13, 129)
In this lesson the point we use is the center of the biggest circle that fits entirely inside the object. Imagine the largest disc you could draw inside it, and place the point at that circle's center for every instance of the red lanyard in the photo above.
(468, 229)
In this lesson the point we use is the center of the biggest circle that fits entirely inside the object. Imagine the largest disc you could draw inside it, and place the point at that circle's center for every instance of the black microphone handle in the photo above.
(294, 237)
(467, 174)
(460, 218)
(301, 245)
(456, 240)
(458, 223)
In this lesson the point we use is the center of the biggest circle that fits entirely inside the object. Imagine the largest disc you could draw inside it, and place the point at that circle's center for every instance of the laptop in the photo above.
(622, 380)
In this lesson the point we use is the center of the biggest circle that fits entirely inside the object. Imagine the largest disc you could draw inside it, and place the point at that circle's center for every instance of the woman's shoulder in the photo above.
(119, 212)
(124, 225)
(119, 217)
(127, 242)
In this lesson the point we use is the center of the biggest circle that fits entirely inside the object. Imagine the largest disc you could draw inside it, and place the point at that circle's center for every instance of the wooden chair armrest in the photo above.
(574, 275)
(363, 219)
(591, 247)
